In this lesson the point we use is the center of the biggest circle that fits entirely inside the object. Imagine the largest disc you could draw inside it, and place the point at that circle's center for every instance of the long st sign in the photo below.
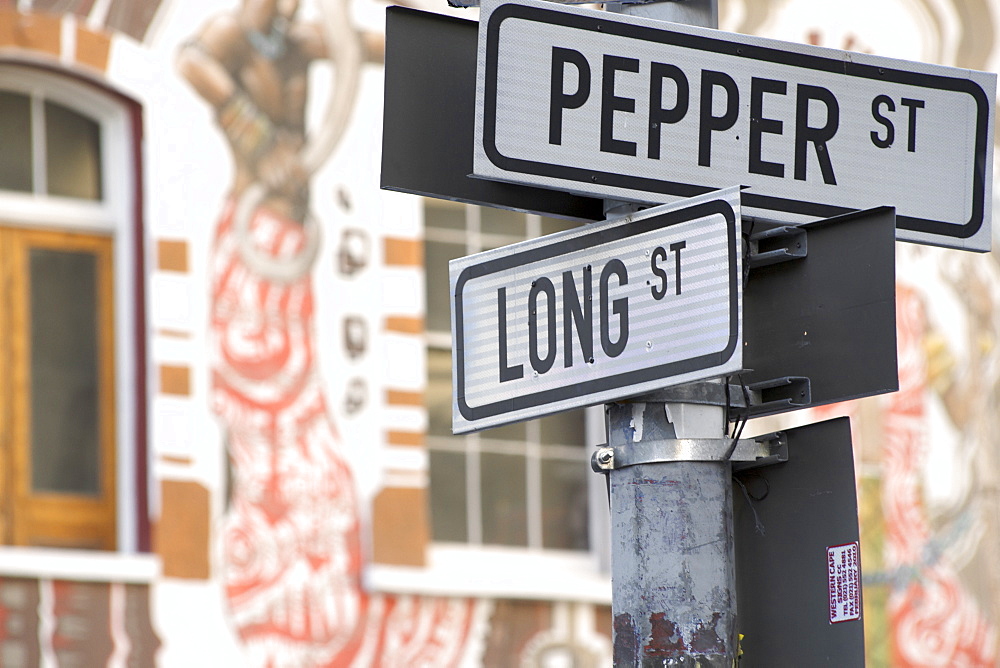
(608, 105)
(598, 313)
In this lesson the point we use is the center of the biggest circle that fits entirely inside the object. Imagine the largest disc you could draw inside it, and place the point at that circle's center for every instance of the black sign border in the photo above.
(738, 50)
(589, 241)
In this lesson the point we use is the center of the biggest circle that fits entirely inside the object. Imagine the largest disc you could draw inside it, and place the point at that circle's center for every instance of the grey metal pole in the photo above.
(672, 562)
(672, 555)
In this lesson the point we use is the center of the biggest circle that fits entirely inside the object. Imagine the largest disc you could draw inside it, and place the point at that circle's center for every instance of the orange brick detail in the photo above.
(173, 333)
(414, 438)
(176, 459)
(399, 526)
(404, 398)
(401, 324)
(33, 32)
(182, 536)
(92, 48)
(404, 252)
(175, 379)
(172, 255)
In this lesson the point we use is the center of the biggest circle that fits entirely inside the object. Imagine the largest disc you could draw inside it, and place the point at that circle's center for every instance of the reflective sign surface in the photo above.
(598, 313)
(611, 105)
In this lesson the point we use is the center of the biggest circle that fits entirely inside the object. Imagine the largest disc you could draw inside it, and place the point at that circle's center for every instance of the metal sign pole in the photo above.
(672, 552)
(672, 559)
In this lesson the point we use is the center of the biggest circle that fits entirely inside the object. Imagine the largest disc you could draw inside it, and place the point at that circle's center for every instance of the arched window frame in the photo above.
(117, 214)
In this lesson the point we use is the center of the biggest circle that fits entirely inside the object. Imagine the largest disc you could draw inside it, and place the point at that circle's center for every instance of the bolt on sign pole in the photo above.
(673, 563)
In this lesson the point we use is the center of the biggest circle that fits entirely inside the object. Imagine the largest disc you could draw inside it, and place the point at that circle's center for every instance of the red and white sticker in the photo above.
(844, 579)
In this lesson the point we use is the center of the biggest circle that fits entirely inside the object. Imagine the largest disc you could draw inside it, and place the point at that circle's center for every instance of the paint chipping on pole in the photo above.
(665, 639)
(626, 640)
(706, 638)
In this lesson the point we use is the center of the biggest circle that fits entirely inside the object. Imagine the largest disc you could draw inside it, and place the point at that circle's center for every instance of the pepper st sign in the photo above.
(609, 105)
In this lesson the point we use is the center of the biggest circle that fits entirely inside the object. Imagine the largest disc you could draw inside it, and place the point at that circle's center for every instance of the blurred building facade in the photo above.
(225, 409)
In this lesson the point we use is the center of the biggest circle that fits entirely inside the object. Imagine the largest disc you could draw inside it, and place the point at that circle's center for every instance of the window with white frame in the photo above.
(68, 438)
(523, 485)
(49, 149)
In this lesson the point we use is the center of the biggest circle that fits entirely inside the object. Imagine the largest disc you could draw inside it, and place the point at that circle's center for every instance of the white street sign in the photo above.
(623, 107)
(598, 313)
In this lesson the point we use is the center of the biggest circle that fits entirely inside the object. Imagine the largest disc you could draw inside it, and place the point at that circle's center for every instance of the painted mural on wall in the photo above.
(292, 554)
(291, 540)
(293, 576)
(933, 610)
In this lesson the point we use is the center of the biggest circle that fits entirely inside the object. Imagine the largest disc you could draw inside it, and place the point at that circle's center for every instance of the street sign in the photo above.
(797, 554)
(598, 313)
(624, 107)
(429, 119)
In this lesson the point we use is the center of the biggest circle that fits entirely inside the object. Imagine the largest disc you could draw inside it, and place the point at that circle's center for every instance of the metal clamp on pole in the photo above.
(759, 451)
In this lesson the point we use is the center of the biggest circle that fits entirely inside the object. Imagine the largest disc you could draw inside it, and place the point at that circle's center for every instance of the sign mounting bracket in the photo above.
(779, 244)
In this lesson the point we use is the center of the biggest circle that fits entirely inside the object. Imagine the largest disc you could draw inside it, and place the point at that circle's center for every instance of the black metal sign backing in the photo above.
(829, 317)
(798, 570)
(430, 111)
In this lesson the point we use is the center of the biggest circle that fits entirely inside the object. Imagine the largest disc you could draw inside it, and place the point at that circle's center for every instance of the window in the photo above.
(58, 349)
(70, 433)
(48, 148)
(523, 485)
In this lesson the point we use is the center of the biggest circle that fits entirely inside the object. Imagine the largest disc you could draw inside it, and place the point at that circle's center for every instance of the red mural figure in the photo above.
(934, 620)
(291, 553)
